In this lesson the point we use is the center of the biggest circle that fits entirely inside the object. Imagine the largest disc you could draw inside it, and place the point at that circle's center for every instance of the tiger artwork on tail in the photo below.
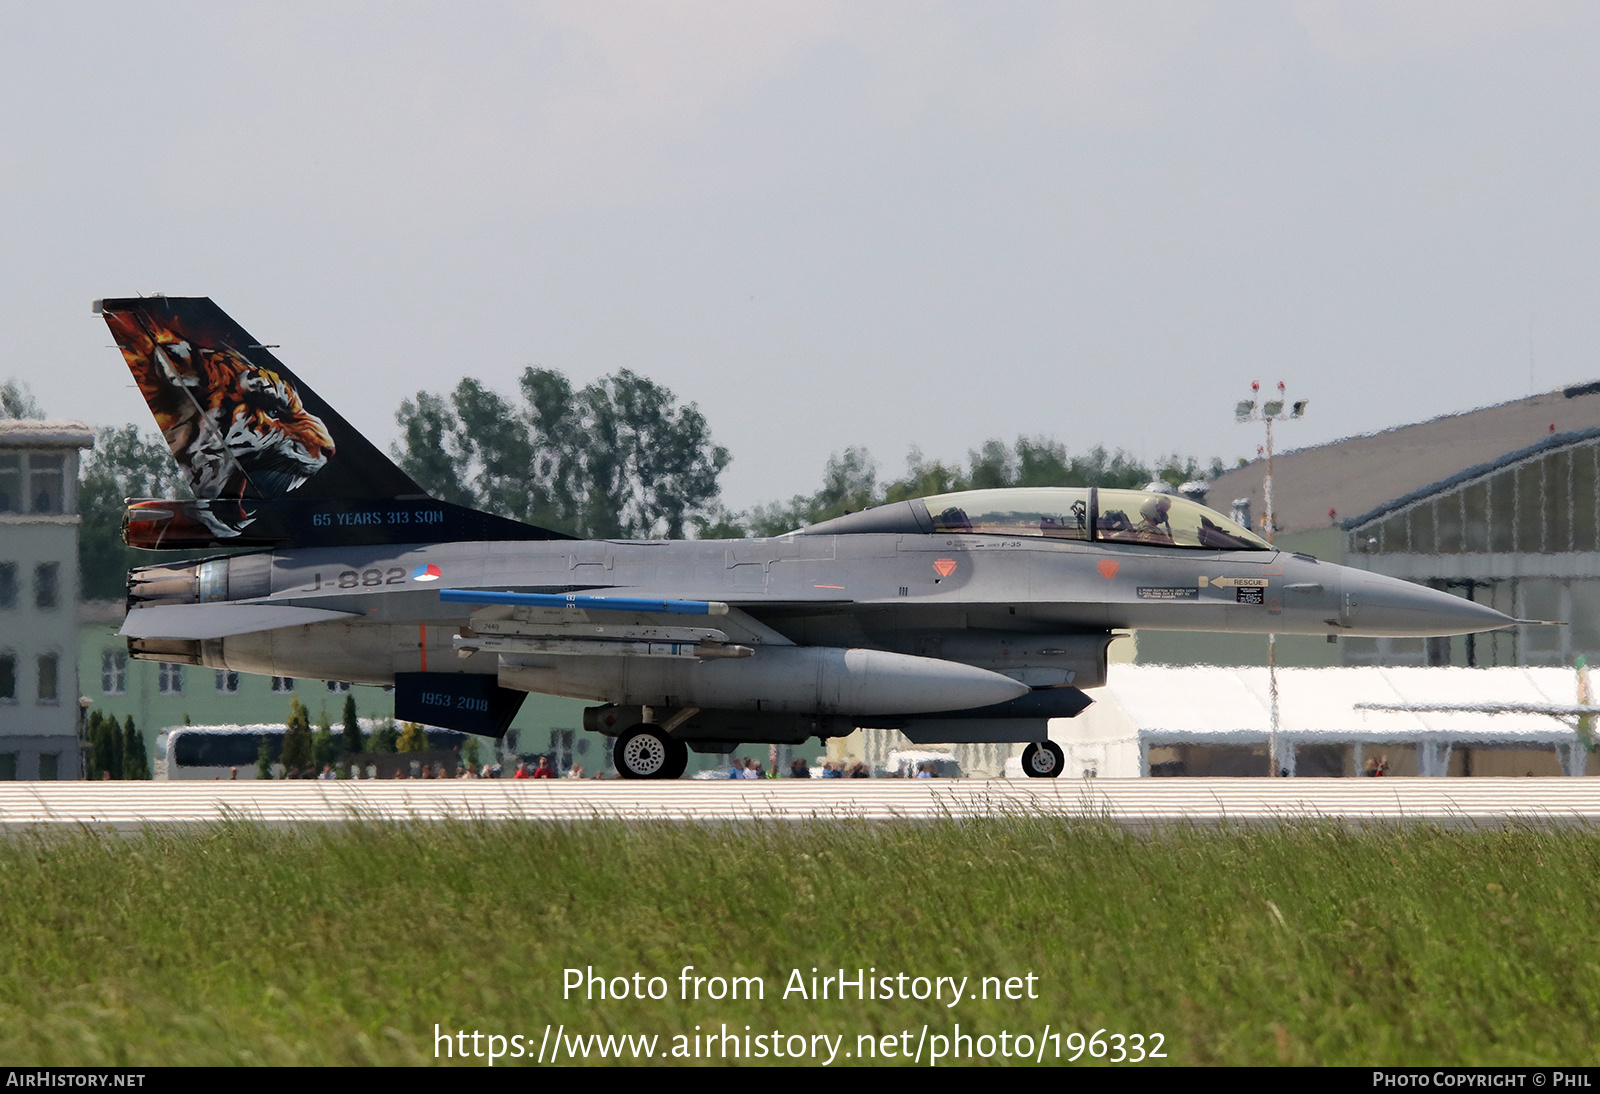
(236, 429)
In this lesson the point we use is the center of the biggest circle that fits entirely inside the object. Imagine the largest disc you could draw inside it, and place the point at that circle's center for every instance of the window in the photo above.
(46, 478)
(49, 678)
(50, 766)
(171, 679)
(227, 682)
(8, 767)
(47, 585)
(339, 685)
(10, 484)
(8, 584)
(283, 683)
(113, 672)
(8, 678)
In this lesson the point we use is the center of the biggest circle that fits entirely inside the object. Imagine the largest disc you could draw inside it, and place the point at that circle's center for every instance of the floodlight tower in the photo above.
(1270, 411)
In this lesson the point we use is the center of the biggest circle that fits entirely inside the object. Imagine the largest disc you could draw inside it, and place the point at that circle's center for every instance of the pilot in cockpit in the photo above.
(1153, 526)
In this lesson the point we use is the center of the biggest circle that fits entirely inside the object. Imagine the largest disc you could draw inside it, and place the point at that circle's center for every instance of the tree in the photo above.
(297, 754)
(324, 747)
(105, 740)
(111, 747)
(384, 738)
(135, 761)
(849, 484)
(16, 401)
(618, 458)
(264, 758)
(351, 741)
(412, 739)
(123, 464)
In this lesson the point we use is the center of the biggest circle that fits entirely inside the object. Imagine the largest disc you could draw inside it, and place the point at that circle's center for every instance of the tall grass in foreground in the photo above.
(342, 945)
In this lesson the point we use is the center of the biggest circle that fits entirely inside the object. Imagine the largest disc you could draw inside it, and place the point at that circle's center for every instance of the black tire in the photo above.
(1043, 760)
(645, 752)
(678, 760)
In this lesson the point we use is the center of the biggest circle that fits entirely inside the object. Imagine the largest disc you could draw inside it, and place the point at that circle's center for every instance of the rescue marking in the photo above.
(1108, 568)
(944, 567)
(1234, 582)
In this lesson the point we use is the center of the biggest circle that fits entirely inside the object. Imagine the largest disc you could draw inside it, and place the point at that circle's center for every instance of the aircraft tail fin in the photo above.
(239, 423)
(259, 448)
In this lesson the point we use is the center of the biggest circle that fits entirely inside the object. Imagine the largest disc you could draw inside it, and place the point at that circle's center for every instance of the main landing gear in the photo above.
(1042, 760)
(646, 751)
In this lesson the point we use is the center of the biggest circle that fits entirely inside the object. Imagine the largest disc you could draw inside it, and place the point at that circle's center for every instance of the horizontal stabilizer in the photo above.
(220, 620)
(585, 602)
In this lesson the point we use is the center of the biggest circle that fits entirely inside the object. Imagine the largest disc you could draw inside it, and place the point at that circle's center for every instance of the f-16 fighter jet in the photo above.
(971, 616)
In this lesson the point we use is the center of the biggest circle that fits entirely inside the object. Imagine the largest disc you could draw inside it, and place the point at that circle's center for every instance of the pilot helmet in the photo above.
(1155, 510)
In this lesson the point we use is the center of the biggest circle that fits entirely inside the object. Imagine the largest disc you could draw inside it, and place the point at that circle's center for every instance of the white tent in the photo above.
(1153, 706)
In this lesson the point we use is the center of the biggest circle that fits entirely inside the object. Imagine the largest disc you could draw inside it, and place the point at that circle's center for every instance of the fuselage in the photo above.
(975, 599)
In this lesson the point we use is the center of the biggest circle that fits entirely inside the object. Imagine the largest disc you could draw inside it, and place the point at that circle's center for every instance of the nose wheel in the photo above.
(645, 751)
(1043, 760)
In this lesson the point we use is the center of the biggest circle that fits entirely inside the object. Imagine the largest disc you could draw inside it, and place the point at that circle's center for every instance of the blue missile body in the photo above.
(589, 603)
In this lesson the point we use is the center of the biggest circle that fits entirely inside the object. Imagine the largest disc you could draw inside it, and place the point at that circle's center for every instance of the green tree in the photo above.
(17, 401)
(618, 458)
(351, 741)
(469, 753)
(135, 761)
(108, 752)
(297, 748)
(849, 484)
(324, 746)
(412, 739)
(384, 738)
(264, 758)
(104, 738)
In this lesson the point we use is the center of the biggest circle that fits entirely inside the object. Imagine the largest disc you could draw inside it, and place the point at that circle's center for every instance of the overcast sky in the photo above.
(825, 223)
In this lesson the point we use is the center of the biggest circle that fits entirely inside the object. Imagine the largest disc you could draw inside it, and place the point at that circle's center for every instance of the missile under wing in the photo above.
(972, 616)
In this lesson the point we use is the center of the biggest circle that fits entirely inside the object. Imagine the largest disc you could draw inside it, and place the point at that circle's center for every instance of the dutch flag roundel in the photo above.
(430, 572)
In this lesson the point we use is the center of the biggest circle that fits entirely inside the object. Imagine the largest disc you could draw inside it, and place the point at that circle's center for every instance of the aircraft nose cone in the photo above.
(1381, 606)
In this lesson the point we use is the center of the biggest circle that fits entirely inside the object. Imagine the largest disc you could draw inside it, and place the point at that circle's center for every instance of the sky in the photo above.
(827, 224)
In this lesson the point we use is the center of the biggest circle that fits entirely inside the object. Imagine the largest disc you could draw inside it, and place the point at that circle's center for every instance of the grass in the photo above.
(242, 944)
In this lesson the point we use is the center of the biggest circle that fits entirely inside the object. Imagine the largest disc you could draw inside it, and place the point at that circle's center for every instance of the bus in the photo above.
(214, 752)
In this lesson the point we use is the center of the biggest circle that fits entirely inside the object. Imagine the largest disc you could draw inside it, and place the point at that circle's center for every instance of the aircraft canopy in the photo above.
(1074, 513)
(1119, 516)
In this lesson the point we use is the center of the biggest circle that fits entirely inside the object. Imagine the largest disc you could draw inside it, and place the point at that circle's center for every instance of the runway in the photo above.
(1130, 802)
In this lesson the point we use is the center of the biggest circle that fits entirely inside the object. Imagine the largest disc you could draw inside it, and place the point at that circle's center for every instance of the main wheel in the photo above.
(642, 752)
(1040, 760)
(677, 761)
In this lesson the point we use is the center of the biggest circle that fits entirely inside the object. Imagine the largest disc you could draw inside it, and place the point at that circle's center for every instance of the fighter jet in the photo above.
(970, 616)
